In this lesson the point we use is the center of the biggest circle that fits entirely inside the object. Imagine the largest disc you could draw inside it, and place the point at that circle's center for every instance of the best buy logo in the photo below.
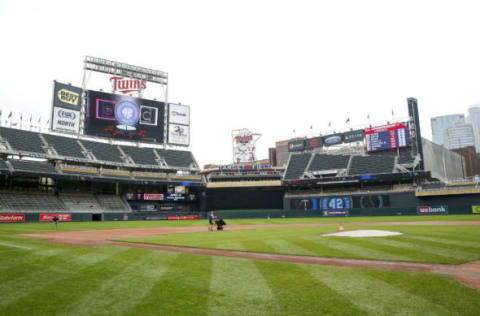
(67, 96)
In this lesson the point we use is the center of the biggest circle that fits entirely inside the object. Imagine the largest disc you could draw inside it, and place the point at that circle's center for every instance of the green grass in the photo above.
(436, 244)
(41, 278)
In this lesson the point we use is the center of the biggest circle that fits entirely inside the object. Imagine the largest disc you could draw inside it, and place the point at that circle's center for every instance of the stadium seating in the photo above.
(102, 151)
(3, 165)
(296, 166)
(31, 203)
(33, 166)
(81, 203)
(328, 162)
(141, 156)
(112, 203)
(176, 158)
(371, 164)
(64, 146)
(22, 141)
(405, 159)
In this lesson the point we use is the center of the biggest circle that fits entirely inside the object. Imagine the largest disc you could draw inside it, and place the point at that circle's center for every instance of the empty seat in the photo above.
(65, 146)
(102, 151)
(81, 203)
(33, 166)
(31, 202)
(371, 164)
(23, 141)
(112, 203)
(328, 162)
(176, 158)
(141, 156)
(296, 166)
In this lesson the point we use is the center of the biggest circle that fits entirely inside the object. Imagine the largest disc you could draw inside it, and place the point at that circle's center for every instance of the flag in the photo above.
(330, 124)
(31, 119)
(48, 121)
(10, 115)
(21, 116)
(294, 131)
(39, 120)
(392, 112)
(368, 116)
(311, 126)
(0, 113)
(348, 120)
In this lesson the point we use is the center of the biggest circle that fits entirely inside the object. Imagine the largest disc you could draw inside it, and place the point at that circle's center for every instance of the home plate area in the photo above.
(363, 233)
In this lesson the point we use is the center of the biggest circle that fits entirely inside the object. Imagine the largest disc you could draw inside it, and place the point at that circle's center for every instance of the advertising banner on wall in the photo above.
(296, 145)
(178, 114)
(123, 117)
(354, 136)
(304, 204)
(476, 209)
(371, 201)
(65, 120)
(335, 213)
(61, 217)
(334, 139)
(312, 143)
(66, 96)
(179, 134)
(432, 210)
(5, 218)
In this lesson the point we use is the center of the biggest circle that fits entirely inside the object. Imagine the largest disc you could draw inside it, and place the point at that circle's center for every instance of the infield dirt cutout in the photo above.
(468, 273)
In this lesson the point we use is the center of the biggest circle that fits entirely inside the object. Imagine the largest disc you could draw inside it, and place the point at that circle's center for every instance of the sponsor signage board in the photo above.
(354, 136)
(153, 197)
(387, 136)
(11, 218)
(179, 134)
(331, 140)
(432, 210)
(123, 117)
(67, 96)
(61, 217)
(187, 217)
(178, 114)
(175, 197)
(335, 213)
(312, 143)
(476, 209)
(296, 145)
(65, 120)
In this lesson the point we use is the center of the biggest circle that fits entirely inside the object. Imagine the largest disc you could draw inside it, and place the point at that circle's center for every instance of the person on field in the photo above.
(211, 217)
(55, 221)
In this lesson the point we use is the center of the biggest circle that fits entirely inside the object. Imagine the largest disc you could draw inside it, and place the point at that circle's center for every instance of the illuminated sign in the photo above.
(127, 85)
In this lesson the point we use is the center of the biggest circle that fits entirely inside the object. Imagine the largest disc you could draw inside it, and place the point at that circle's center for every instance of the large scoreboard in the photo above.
(387, 136)
(123, 117)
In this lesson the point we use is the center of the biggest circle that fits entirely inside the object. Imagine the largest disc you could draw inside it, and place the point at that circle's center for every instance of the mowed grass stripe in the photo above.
(419, 248)
(319, 248)
(137, 275)
(183, 289)
(285, 246)
(393, 249)
(467, 245)
(363, 250)
(63, 285)
(375, 296)
(440, 290)
(238, 288)
(298, 293)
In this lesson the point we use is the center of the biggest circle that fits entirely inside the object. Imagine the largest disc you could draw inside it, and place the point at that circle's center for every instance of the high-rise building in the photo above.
(458, 135)
(474, 120)
(441, 123)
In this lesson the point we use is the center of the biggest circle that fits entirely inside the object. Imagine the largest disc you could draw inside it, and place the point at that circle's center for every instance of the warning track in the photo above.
(468, 273)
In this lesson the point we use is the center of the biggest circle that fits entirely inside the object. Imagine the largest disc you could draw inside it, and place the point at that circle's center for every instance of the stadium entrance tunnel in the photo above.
(97, 217)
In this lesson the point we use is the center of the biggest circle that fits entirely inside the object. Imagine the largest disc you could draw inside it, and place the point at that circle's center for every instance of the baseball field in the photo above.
(254, 267)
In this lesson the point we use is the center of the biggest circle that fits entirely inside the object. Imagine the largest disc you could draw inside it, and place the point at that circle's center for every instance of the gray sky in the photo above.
(270, 66)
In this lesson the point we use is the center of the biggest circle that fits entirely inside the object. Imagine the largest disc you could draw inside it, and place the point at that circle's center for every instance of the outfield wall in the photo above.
(245, 198)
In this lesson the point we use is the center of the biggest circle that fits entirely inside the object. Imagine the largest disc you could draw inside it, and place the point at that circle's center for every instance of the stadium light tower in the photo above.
(243, 145)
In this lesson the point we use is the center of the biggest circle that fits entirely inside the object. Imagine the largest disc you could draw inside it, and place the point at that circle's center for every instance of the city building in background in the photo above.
(474, 120)
(472, 160)
(441, 123)
(458, 135)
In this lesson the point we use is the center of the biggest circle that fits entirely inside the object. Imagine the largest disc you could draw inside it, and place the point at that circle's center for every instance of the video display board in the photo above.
(387, 136)
(123, 117)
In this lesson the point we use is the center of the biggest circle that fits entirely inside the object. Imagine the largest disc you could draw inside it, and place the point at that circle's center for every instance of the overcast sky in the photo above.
(269, 66)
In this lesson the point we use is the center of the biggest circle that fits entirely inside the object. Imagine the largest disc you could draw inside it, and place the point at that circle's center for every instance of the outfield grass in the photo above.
(41, 278)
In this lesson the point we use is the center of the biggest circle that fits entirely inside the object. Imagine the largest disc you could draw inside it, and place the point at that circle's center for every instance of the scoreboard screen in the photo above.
(387, 136)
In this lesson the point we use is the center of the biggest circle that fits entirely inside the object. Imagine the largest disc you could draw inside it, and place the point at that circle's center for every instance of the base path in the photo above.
(468, 273)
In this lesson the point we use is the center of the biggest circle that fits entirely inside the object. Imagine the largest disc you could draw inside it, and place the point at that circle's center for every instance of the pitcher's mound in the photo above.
(364, 233)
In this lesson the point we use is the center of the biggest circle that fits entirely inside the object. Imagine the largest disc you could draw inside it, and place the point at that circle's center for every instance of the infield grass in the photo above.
(42, 278)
